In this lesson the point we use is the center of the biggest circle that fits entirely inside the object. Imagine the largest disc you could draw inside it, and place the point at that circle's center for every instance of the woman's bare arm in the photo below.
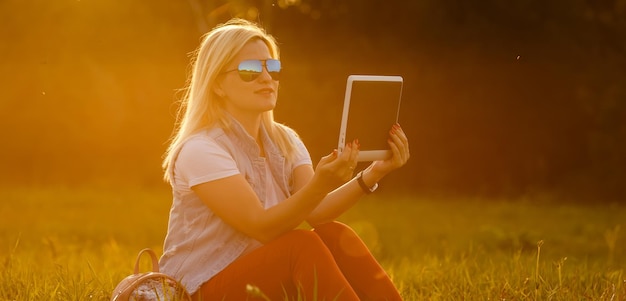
(344, 197)
(234, 201)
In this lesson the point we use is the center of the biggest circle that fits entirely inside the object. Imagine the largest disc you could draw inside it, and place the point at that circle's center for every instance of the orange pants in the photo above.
(329, 263)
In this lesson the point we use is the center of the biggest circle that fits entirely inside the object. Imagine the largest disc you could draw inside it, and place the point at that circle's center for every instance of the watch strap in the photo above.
(364, 186)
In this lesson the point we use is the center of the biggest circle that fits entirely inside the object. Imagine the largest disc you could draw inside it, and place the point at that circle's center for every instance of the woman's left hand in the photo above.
(399, 145)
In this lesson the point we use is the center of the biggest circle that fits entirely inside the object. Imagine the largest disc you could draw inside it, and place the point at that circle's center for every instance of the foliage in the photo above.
(500, 99)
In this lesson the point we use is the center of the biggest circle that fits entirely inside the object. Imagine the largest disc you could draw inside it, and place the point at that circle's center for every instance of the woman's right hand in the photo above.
(335, 169)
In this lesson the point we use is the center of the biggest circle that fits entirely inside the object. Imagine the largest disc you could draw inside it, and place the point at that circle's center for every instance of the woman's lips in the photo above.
(264, 91)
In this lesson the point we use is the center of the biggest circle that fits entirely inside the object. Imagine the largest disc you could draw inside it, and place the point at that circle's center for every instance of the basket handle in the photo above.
(155, 262)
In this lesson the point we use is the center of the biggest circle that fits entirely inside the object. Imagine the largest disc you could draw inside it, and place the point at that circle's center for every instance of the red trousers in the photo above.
(329, 263)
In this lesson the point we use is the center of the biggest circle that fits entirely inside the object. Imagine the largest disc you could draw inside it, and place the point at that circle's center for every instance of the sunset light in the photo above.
(514, 113)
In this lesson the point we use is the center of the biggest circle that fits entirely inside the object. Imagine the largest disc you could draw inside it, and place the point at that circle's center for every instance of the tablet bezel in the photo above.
(366, 154)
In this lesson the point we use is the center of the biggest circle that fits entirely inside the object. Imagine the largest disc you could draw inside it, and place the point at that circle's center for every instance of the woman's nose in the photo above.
(265, 74)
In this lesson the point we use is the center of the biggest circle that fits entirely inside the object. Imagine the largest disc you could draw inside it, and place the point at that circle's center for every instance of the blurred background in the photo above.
(501, 98)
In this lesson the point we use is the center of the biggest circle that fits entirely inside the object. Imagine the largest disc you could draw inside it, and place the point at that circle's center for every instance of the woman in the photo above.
(242, 183)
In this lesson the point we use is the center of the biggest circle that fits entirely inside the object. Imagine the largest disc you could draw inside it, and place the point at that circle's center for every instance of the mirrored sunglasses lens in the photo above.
(273, 65)
(273, 68)
(249, 70)
(248, 76)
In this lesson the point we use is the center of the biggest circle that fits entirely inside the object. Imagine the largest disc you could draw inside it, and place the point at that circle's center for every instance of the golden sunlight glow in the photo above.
(287, 3)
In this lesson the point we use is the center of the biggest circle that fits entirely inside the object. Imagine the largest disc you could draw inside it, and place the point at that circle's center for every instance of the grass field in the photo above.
(76, 244)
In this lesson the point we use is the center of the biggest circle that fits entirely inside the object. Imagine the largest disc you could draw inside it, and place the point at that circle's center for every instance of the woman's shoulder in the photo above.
(299, 149)
(203, 139)
(204, 135)
(288, 130)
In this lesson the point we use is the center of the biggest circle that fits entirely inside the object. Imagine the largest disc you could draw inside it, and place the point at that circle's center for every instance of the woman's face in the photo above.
(248, 98)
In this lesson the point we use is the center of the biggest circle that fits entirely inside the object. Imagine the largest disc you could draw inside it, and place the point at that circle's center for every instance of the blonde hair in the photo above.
(200, 107)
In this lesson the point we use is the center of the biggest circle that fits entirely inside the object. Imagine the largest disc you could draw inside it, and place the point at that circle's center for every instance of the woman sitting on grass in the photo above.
(243, 183)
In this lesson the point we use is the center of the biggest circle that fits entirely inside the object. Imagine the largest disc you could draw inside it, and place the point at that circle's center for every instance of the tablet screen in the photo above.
(374, 108)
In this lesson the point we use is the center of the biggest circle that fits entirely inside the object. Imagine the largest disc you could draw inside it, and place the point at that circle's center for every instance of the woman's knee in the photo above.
(333, 231)
(302, 239)
(333, 226)
(340, 237)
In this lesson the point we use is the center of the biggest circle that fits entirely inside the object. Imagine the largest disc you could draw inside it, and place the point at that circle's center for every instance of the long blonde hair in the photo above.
(200, 107)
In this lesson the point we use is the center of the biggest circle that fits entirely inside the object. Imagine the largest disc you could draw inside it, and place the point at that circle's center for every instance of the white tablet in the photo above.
(371, 107)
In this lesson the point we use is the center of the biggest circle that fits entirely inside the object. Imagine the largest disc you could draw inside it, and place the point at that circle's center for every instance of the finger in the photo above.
(347, 150)
(349, 161)
(397, 129)
(401, 147)
(402, 141)
(354, 154)
(397, 156)
(328, 158)
(341, 161)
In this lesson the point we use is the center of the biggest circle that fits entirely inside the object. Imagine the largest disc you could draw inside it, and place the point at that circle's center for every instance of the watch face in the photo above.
(374, 187)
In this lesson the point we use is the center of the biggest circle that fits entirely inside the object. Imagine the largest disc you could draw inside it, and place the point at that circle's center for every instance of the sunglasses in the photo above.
(249, 70)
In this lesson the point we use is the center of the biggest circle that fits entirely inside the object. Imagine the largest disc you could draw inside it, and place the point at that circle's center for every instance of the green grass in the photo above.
(76, 244)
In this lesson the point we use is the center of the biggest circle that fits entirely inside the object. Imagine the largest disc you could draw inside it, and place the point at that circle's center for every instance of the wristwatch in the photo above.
(367, 190)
